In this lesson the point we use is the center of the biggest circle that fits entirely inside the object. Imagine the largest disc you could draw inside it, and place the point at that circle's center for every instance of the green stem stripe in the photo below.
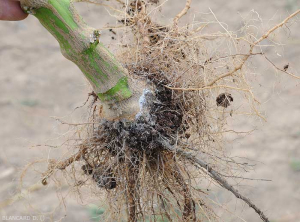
(119, 92)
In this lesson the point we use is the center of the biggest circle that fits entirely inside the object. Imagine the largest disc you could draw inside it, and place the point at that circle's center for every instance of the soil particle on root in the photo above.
(224, 100)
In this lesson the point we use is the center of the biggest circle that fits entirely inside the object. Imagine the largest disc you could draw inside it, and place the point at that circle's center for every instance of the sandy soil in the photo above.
(37, 83)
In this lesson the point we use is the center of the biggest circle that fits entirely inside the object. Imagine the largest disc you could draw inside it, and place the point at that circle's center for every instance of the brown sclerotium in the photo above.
(224, 100)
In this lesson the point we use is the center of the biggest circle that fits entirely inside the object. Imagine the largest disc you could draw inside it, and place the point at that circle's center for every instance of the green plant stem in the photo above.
(80, 44)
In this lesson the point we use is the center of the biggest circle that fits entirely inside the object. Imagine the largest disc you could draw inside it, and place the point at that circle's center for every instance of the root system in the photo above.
(152, 168)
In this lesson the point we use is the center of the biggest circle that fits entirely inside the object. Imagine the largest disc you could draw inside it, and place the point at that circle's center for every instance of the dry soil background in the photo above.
(36, 83)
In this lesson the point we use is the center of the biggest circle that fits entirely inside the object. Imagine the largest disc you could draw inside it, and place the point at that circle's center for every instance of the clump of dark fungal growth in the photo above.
(224, 100)
(164, 120)
(166, 112)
